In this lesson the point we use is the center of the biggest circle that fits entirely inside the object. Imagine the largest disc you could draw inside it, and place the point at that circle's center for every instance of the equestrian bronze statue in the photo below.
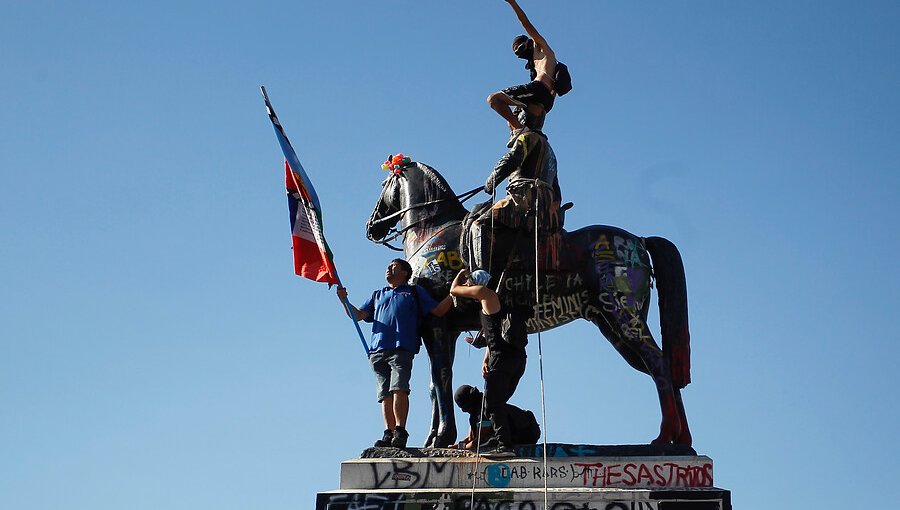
(599, 273)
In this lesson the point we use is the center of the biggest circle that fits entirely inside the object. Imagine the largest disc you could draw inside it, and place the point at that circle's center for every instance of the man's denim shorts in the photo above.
(393, 368)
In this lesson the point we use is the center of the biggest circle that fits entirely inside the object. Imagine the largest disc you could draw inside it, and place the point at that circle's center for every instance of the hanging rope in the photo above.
(493, 232)
(537, 300)
(477, 449)
(484, 393)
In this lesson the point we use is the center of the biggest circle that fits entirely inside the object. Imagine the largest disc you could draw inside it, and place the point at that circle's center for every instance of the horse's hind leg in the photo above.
(632, 339)
(671, 427)
(635, 343)
(685, 436)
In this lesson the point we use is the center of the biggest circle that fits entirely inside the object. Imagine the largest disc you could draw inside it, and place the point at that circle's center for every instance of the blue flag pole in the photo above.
(291, 156)
(352, 317)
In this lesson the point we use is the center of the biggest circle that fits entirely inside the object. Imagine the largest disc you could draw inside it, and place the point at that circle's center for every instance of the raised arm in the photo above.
(490, 302)
(459, 288)
(530, 30)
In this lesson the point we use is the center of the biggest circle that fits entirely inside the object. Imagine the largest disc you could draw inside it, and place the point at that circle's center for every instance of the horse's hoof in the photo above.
(444, 440)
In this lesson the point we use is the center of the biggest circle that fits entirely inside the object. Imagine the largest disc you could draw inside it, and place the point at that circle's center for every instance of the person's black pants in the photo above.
(503, 374)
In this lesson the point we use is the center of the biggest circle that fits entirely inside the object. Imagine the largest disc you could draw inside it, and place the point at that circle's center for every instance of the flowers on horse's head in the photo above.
(396, 163)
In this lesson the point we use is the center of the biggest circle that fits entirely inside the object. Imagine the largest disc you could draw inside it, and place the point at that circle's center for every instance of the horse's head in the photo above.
(385, 216)
(413, 193)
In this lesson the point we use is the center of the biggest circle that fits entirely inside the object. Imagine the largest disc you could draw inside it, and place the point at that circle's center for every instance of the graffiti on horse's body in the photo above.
(604, 276)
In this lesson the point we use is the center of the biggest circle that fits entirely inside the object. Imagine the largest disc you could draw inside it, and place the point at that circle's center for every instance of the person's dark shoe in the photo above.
(385, 439)
(490, 444)
(399, 438)
(501, 451)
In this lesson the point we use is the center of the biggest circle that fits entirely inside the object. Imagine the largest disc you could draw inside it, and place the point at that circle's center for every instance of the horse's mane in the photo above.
(435, 178)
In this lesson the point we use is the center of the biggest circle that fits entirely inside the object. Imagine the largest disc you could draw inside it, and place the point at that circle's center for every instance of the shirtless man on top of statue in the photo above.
(536, 97)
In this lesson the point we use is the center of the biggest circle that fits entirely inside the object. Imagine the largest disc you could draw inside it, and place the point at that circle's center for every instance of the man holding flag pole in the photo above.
(396, 311)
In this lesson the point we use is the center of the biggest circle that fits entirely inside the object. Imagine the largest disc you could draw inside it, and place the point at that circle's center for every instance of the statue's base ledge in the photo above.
(554, 450)
(513, 473)
(527, 499)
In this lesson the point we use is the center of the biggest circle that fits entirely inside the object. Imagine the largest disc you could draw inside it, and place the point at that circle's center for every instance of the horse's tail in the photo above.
(673, 309)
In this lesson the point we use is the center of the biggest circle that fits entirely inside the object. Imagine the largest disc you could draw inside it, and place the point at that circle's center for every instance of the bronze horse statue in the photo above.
(603, 274)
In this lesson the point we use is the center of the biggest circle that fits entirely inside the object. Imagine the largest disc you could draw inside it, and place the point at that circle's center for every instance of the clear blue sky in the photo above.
(156, 350)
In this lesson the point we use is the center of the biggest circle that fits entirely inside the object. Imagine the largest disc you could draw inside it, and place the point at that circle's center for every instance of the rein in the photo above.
(395, 233)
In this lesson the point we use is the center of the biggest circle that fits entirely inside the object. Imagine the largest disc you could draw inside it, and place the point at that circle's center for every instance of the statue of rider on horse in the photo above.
(599, 273)
(603, 275)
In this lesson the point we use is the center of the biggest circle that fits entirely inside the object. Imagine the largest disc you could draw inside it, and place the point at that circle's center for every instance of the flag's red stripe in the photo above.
(311, 262)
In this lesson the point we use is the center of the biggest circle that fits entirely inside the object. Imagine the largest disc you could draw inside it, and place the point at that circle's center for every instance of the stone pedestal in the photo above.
(575, 477)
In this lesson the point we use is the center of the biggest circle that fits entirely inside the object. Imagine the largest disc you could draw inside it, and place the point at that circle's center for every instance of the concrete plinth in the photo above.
(576, 477)
(515, 473)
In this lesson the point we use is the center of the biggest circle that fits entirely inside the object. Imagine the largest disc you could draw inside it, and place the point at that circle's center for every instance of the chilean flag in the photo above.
(312, 257)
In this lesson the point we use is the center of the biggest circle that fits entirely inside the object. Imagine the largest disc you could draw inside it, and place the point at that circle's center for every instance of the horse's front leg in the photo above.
(440, 345)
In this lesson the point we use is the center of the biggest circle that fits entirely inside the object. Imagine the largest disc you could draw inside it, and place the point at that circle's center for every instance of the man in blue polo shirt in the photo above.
(395, 313)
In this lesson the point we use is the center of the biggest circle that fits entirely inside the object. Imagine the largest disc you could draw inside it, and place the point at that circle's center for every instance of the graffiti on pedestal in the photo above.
(486, 503)
(603, 474)
(400, 474)
(482, 501)
(356, 501)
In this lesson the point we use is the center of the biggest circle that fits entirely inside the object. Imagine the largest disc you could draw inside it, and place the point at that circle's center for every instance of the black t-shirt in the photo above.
(505, 332)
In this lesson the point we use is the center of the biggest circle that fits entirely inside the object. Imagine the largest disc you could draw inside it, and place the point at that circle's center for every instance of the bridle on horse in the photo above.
(394, 233)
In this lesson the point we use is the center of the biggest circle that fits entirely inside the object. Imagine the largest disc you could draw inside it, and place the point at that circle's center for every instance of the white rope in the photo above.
(537, 300)
(490, 259)
(483, 394)
(478, 449)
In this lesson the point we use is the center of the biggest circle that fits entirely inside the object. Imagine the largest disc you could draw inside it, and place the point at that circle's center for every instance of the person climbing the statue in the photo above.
(535, 99)
(504, 360)
(395, 312)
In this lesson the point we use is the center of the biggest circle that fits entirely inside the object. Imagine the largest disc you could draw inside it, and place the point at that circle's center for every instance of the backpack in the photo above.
(523, 425)
(562, 82)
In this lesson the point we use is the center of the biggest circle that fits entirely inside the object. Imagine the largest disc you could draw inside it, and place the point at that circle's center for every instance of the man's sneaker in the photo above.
(385, 439)
(501, 451)
(515, 134)
(399, 438)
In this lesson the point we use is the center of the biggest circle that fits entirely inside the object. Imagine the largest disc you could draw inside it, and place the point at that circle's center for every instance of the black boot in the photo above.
(399, 438)
(385, 439)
